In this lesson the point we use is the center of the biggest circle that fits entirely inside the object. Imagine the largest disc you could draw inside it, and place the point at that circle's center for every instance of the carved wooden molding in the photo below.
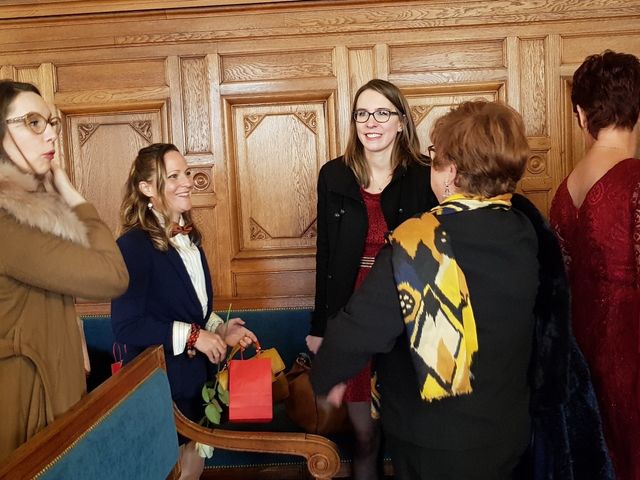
(143, 127)
(85, 130)
(257, 232)
(311, 231)
(419, 112)
(22, 9)
(536, 164)
(309, 17)
(309, 119)
(202, 180)
(250, 123)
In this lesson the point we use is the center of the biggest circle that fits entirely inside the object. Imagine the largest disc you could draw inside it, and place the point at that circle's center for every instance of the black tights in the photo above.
(367, 441)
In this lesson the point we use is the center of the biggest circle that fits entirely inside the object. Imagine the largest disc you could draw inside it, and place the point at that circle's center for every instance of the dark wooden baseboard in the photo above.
(280, 472)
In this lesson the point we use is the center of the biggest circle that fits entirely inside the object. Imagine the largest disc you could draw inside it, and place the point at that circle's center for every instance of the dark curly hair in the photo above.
(607, 88)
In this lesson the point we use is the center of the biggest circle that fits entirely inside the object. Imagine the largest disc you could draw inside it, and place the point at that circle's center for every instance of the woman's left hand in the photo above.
(236, 333)
(59, 180)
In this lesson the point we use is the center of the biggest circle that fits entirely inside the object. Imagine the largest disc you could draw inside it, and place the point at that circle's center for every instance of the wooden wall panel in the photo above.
(101, 150)
(427, 108)
(276, 200)
(533, 86)
(258, 96)
(576, 47)
(281, 65)
(195, 101)
(110, 75)
(446, 56)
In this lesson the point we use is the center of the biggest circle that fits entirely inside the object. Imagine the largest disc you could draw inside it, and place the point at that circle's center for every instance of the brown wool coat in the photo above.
(48, 254)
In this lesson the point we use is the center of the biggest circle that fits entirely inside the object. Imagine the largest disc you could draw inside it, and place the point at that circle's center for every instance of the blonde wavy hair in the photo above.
(148, 166)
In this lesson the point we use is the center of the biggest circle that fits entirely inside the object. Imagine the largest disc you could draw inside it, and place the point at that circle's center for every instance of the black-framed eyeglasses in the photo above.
(380, 116)
(431, 152)
(37, 123)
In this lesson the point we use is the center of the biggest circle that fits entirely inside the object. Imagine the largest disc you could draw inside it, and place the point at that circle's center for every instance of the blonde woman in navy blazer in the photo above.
(169, 300)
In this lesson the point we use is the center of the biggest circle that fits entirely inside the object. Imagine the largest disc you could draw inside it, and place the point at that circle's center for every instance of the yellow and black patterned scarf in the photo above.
(435, 300)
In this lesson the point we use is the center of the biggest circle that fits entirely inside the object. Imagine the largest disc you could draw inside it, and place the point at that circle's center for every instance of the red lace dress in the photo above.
(601, 244)
(359, 387)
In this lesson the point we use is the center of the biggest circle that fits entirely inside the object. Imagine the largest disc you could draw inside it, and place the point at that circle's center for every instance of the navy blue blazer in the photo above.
(160, 292)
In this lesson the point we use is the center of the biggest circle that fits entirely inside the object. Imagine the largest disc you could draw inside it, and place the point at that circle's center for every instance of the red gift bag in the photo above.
(250, 391)
(117, 358)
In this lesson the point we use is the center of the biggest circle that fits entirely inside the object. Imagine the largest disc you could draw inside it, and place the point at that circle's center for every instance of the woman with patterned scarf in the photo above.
(450, 310)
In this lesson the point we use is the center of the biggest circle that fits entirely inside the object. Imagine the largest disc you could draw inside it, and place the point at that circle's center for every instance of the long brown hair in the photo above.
(406, 149)
(9, 90)
(135, 212)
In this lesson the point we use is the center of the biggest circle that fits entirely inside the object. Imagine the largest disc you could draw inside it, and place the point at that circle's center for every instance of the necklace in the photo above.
(378, 187)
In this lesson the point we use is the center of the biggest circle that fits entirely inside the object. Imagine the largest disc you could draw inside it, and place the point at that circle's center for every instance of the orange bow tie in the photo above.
(178, 229)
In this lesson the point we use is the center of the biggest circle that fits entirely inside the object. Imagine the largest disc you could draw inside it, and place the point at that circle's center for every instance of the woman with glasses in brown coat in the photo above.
(54, 247)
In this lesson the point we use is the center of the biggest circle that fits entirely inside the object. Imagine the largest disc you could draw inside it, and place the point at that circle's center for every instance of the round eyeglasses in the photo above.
(380, 116)
(37, 123)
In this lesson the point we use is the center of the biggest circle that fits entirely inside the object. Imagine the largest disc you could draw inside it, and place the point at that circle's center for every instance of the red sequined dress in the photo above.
(359, 387)
(601, 245)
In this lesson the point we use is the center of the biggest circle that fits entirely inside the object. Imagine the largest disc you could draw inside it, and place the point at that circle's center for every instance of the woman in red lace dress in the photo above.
(596, 215)
(380, 181)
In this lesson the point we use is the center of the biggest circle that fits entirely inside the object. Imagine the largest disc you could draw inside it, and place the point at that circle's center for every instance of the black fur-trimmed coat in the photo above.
(567, 441)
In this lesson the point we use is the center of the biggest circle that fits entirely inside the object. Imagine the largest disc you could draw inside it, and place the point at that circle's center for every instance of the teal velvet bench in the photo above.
(273, 450)
(124, 429)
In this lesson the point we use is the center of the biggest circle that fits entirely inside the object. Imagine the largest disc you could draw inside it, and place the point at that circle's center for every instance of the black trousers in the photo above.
(413, 462)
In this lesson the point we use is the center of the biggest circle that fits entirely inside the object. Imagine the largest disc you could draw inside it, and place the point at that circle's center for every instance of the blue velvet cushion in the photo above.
(135, 440)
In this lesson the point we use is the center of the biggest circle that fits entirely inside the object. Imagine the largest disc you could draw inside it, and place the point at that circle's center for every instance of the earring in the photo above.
(447, 192)
(150, 205)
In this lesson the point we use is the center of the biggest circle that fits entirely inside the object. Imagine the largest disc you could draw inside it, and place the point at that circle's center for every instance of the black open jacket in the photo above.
(343, 225)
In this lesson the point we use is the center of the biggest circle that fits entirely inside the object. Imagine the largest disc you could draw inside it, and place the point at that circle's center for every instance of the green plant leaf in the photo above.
(208, 391)
(216, 404)
(223, 395)
(212, 413)
(206, 395)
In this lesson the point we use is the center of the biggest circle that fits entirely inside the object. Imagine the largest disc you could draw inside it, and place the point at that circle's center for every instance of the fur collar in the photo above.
(22, 198)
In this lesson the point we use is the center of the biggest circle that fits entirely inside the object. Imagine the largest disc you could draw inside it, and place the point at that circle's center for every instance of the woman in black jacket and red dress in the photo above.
(380, 181)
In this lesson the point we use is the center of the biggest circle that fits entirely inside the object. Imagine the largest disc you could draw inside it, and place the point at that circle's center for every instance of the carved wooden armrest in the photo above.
(321, 453)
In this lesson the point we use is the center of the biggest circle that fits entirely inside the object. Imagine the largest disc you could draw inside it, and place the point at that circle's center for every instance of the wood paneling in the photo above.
(258, 96)
(195, 104)
(110, 75)
(98, 172)
(576, 47)
(446, 56)
(277, 66)
(276, 200)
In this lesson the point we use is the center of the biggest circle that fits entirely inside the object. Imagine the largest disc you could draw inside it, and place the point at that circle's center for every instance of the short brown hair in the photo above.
(607, 87)
(487, 144)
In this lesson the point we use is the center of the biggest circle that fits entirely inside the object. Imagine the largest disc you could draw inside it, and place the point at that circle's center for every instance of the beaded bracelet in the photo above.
(193, 338)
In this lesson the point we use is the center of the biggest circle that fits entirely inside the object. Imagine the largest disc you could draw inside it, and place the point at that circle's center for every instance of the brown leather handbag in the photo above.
(312, 414)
